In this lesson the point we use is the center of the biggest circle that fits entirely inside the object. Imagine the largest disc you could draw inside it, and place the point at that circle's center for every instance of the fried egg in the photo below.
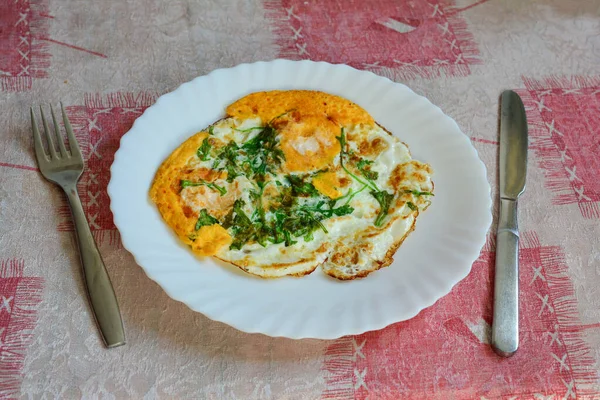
(292, 180)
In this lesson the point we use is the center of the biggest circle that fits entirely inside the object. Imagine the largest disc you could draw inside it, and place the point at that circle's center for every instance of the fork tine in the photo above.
(59, 137)
(51, 148)
(75, 151)
(40, 154)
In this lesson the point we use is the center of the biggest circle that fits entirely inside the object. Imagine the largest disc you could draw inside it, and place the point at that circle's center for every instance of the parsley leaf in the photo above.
(342, 140)
(222, 191)
(263, 151)
(328, 212)
(203, 151)
(302, 222)
(205, 219)
(280, 233)
(229, 154)
(418, 193)
(384, 199)
(185, 183)
(228, 219)
(259, 214)
(350, 195)
(281, 115)
(365, 169)
(300, 187)
(411, 206)
(285, 198)
(243, 230)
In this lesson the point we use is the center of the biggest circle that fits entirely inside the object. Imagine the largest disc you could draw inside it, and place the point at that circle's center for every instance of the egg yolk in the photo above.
(328, 183)
(210, 239)
(310, 144)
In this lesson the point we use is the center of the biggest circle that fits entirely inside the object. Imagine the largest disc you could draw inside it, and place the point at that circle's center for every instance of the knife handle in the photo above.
(505, 326)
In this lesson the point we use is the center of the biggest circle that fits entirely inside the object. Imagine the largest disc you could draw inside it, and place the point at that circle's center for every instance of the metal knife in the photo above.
(513, 169)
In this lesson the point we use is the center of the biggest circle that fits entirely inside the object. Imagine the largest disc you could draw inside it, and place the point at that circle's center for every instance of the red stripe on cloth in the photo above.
(26, 167)
(19, 299)
(73, 47)
(486, 141)
(458, 10)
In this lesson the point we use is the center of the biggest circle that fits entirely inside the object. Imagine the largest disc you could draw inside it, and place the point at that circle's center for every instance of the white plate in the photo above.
(437, 255)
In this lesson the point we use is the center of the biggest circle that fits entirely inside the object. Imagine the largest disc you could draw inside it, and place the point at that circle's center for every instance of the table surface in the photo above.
(107, 61)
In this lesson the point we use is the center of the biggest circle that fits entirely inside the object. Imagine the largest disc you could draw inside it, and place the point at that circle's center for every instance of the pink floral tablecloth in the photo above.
(109, 60)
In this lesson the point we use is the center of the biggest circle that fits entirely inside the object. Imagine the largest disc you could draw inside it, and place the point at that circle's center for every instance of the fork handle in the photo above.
(99, 288)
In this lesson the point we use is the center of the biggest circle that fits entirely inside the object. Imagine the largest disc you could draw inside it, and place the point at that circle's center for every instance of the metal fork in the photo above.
(65, 168)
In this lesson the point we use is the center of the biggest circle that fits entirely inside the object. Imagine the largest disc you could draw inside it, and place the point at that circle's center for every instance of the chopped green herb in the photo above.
(365, 169)
(280, 235)
(350, 195)
(222, 191)
(304, 221)
(288, 238)
(385, 200)
(243, 230)
(211, 130)
(327, 212)
(300, 187)
(418, 193)
(205, 219)
(263, 151)
(383, 197)
(411, 206)
(301, 223)
(254, 159)
(281, 115)
(343, 151)
(228, 155)
(285, 198)
(288, 221)
(259, 214)
(185, 183)
(204, 150)
(227, 221)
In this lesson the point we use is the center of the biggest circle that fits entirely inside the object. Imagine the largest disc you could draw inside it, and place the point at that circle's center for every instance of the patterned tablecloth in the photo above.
(109, 60)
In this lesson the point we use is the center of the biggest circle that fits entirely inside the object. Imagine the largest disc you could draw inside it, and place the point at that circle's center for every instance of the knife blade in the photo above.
(513, 171)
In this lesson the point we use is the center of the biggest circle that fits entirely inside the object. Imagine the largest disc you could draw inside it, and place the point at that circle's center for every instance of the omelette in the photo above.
(292, 180)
